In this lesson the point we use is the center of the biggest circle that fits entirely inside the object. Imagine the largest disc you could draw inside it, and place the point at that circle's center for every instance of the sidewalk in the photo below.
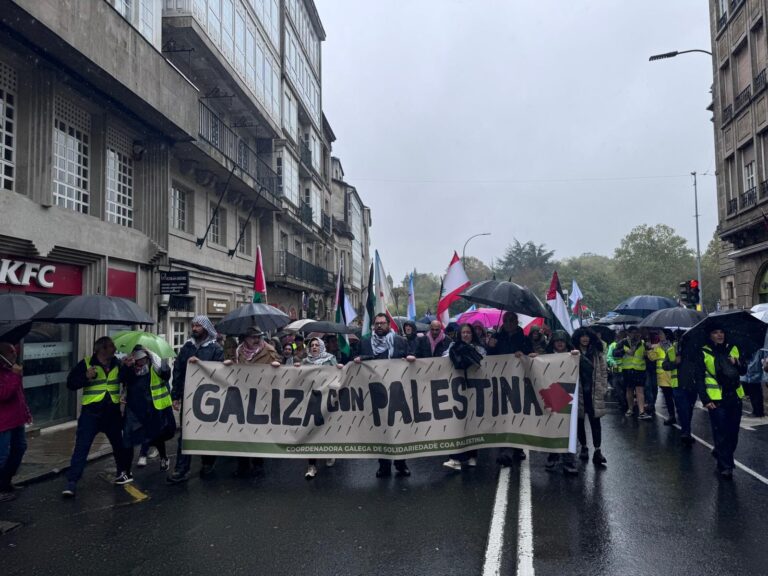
(48, 453)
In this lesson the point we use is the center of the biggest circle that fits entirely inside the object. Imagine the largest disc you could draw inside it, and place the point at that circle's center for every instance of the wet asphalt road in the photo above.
(658, 508)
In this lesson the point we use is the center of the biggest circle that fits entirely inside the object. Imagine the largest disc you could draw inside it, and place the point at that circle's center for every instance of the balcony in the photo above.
(215, 132)
(742, 99)
(288, 265)
(732, 206)
(727, 113)
(749, 198)
(306, 214)
(763, 189)
(327, 227)
(760, 81)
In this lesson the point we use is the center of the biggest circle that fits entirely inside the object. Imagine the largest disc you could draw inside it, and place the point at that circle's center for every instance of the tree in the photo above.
(476, 270)
(710, 274)
(654, 260)
(598, 280)
(527, 264)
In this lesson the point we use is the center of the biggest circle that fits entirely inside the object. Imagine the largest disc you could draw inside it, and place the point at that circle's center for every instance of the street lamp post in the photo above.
(662, 56)
(463, 250)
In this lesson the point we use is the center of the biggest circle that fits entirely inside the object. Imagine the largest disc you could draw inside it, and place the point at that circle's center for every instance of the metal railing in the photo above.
(732, 206)
(722, 20)
(742, 99)
(215, 132)
(764, 189)
(327, 226)
(305, 213)
(749, 198)
(727, 113)
(760, 81)
(306, 154)
(290, 265)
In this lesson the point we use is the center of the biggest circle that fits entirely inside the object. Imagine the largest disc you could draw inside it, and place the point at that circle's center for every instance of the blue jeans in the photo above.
(108, 420)
(684, 401)
(725, 419)
(13, 444)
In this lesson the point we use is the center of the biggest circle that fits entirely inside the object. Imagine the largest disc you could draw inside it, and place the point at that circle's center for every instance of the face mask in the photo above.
(142, 370)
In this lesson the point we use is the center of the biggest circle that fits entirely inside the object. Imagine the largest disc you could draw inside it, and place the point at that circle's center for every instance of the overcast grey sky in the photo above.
(540, 120)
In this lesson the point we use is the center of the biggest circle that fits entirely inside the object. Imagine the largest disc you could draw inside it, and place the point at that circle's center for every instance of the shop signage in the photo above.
(218, 307)
(20, 273)
(176, 282)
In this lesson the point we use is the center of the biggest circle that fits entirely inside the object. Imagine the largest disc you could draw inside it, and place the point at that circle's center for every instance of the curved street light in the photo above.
(676, 53)
(463, 250)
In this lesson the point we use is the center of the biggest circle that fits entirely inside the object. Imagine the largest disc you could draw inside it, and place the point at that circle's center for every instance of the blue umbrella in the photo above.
(643, 305)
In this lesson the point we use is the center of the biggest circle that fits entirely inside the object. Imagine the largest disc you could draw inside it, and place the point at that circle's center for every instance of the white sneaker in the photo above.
(153, 453)
(330, 462)
(311, 472)
(472, 462)
(452, 463)
(141, 462)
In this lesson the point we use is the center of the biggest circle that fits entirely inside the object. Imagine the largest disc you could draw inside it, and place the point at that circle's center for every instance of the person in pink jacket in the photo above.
(14, 414)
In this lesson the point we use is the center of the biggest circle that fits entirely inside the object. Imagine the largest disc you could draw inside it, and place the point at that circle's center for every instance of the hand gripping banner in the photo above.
(381, 408)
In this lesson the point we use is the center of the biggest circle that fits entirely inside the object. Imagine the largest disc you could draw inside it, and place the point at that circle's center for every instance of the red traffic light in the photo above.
(693, 284)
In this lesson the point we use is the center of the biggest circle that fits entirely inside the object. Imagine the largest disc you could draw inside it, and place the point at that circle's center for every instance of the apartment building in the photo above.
(176, 140)
(740, 106)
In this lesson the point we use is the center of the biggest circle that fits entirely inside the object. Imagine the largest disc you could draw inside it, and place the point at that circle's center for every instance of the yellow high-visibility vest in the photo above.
(634, 361)
(161, 396)
(714, 390)
(101, 385)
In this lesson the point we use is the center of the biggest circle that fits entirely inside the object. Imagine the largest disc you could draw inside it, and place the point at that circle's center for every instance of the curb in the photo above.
(52, 473)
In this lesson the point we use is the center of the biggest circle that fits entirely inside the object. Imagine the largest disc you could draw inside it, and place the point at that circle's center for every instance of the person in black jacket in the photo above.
(434, 343)
(380, 345)
(411, 336)
(202, 346)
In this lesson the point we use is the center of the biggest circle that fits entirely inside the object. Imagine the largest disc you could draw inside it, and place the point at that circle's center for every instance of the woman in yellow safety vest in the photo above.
(720, 391)
(149, 413)
(666, 379)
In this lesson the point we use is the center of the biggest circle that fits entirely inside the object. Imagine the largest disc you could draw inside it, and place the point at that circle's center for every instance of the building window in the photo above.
(181, 209)
(214, 21)
(245, 248)
(124, 8)
(179, 334)
(218, 225)
(227, 23)
(71, 157)
(749, 176)
(240, 42)
(119, 179)
(7, 127)
(146, 19)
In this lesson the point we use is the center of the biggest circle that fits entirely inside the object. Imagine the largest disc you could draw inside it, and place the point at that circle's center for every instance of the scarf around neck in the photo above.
(321, 357)
(247, 354)
(433, 342)
(385, 344)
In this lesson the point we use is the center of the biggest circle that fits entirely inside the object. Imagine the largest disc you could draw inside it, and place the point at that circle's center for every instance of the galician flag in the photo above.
(557, 306)
(370, 304)
(384, 298)
(259, 282)
(341, 311)
(575, 298)
(455, 282)
(411, 300)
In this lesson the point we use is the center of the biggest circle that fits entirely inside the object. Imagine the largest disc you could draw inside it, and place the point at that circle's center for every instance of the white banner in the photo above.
(381, 408)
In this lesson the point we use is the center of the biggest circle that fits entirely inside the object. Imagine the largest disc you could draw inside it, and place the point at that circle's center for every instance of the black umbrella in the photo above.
(606, 334)
(12, 332)
(15, 307)
(264, 316)
(506, 296)
(320, 326)
(619, 319)
(420, 326)
(643, 305)
(673, 318)
(742, 329)
(93, 309)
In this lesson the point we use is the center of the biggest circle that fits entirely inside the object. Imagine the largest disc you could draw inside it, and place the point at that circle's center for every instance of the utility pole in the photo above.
(699, 305)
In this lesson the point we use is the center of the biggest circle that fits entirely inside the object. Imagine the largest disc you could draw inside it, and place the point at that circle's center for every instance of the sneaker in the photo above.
(598, 459)
(123, 478)
(142, 461)
(472, 462)
(7, 496)
(518, 454)
(311, 472)
(452, 463)
(384, 471)
(569, 469)
(727, 473)
(165, 463)
(70, 490)
(153, 453)
(552, 461)
(330, 462)
(645, 416)
(687, 440)
(177, 477)
(584, 454)
(628, 413)
(403, 470)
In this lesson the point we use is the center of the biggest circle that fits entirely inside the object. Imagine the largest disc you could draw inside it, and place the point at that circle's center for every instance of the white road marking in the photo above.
(492, 564)
(525, 522)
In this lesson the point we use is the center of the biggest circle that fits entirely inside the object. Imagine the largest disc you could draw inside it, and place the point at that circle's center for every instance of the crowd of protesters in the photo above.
(132, 400)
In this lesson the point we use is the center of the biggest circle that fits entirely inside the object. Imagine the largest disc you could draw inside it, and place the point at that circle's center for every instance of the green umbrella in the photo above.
(126, 341)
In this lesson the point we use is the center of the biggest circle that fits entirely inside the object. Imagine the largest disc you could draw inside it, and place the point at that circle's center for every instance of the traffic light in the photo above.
(694, 291)
(685, 292)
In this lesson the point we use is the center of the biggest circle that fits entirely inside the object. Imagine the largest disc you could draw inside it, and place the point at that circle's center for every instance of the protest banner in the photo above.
(381, 408)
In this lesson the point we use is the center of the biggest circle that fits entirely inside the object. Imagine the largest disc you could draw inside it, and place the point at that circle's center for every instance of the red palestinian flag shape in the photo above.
(555, 397)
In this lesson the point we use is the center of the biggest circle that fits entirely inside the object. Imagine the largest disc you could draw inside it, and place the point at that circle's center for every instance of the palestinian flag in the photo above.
(370, 305)
(259, 282)
(341, 312)
(560, 316)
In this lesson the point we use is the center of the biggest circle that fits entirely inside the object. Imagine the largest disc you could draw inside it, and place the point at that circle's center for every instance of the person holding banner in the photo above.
(380, 345)
(593, 383)
(411, 336)
(317, 356)
(435, 343)
(201, 346)
(467, 351)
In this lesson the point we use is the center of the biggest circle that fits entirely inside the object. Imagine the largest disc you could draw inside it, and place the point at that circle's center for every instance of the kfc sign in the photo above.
(19, 273)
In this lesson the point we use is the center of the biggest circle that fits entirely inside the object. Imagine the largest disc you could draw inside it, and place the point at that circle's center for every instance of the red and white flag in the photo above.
(454, 283)
(557, 305)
